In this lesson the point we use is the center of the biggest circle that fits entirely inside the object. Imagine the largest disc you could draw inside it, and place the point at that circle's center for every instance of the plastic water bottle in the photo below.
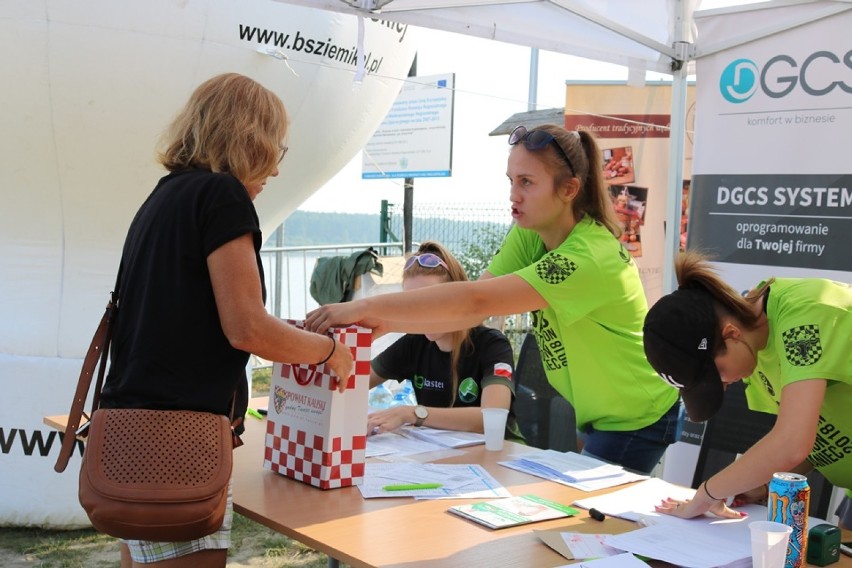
(380, 397)
(404, 396)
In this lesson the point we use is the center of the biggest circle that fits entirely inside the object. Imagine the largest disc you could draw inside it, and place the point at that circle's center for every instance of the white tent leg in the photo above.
(675, 180)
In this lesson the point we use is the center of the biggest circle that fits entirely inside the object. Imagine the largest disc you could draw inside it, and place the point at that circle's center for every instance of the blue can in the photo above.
(789, 495)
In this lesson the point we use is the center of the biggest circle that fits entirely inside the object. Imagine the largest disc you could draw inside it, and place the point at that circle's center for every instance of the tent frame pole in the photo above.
(676, 155)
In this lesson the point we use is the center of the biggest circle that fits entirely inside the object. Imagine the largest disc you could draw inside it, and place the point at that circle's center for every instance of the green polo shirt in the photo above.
(590, 335)
(810, 337)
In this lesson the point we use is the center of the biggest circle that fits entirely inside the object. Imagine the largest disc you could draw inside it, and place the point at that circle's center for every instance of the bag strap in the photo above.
(98, 350)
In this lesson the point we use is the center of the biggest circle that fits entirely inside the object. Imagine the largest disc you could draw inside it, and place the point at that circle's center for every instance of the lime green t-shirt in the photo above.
(810, 337)
(590, 335)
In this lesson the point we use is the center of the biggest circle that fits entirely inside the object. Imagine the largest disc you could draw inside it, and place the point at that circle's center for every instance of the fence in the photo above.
(288, 274)
(454, 225)
(472, 232)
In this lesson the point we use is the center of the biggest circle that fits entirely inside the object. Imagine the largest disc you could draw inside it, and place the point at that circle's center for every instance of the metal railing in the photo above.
(288, 276)
(288, 273)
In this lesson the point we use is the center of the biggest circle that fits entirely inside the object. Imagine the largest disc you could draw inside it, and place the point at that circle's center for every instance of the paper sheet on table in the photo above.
(703, 542)
(446, 438)
(691, 544)
(409, 441)
(392, 443)
(584, 546)
(457, 480)
(555, 540)
(625, 560)
(633, 503)
(572, 469)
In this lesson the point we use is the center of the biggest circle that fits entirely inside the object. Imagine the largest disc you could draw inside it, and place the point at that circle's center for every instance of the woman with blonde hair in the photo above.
(453, 373)
(563, 262)
(191, 289)
(790, 341)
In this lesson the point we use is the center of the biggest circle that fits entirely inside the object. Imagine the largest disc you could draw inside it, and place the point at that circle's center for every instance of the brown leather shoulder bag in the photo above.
(159, 475)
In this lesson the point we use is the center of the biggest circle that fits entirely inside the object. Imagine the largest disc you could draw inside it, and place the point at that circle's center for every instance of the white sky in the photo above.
(492, 83)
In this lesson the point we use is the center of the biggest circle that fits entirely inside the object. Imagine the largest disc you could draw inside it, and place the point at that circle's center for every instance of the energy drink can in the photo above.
(789, 495)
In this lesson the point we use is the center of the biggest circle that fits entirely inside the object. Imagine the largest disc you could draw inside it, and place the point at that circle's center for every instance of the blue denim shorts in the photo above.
(637, 450)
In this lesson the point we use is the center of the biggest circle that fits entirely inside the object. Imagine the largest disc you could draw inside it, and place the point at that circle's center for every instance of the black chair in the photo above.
(736, 428)
(562, 431)
(545, 418)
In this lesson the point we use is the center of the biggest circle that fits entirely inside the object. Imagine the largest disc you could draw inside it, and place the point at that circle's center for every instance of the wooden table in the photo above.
(401, 531)
(404, 531)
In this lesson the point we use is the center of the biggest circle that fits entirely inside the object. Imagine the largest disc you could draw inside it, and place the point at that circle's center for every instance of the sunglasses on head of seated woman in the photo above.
(426, 260)
(535, 140)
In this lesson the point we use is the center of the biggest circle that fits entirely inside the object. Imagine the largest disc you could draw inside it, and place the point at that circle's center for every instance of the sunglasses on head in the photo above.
(535, 140)
(426, 260)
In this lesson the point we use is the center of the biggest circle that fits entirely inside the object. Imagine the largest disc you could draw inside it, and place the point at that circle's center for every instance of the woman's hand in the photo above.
(689, 508)
(342, 364)
(390, 419)
(325, 317)
(756, 495)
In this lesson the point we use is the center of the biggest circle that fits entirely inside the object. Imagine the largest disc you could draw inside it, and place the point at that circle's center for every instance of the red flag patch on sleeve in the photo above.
(503, 370)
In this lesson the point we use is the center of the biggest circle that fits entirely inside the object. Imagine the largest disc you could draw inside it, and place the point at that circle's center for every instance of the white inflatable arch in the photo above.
(87, 88)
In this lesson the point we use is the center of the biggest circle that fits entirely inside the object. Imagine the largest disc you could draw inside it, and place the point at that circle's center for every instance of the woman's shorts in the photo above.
(146, 551)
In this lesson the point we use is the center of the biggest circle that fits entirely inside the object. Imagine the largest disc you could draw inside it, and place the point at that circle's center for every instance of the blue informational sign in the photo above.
(415, 138)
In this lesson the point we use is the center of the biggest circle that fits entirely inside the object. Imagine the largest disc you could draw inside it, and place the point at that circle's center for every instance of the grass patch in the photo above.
(87, 548)
(250, 539)
(260, 381)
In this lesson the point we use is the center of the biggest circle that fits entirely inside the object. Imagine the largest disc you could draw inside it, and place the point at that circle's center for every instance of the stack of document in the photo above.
(409, 441)
(637, 502)
(445, 438)
(691, 543)
(572, 469)
(435, 481)
(703, 542)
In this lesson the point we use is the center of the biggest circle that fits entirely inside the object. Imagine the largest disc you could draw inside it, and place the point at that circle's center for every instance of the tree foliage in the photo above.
(475, 253)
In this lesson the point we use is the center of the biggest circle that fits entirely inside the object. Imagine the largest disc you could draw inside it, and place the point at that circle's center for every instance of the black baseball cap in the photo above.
(680, 335)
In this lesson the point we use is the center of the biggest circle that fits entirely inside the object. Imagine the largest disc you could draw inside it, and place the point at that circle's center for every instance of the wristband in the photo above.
(330, 353)
(707, 491)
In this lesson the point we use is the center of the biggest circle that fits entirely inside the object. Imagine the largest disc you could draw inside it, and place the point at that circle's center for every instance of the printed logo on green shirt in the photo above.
(468, 390)
(554, 268)
(550, 346)
(766, 384)
(801, 345)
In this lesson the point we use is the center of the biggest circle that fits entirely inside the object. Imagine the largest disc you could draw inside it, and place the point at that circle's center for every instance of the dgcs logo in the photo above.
(819, 74)
(739, 81)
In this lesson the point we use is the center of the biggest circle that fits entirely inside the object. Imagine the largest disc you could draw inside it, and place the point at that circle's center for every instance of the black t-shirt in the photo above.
(487, 360)
(168, 350)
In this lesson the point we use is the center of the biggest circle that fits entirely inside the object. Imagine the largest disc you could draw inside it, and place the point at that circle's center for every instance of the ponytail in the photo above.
(693, 270)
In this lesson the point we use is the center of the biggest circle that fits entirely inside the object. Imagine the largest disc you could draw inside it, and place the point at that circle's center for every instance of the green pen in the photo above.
(255, 413)
(412, 486)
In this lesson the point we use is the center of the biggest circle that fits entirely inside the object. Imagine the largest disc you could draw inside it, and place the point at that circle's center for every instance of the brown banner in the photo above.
(621, 125)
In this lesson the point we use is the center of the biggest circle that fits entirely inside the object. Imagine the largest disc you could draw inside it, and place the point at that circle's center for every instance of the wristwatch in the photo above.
(422, 413)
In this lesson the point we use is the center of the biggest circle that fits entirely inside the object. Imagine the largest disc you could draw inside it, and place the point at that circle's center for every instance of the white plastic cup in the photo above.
(494, 423)
(769, 543)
